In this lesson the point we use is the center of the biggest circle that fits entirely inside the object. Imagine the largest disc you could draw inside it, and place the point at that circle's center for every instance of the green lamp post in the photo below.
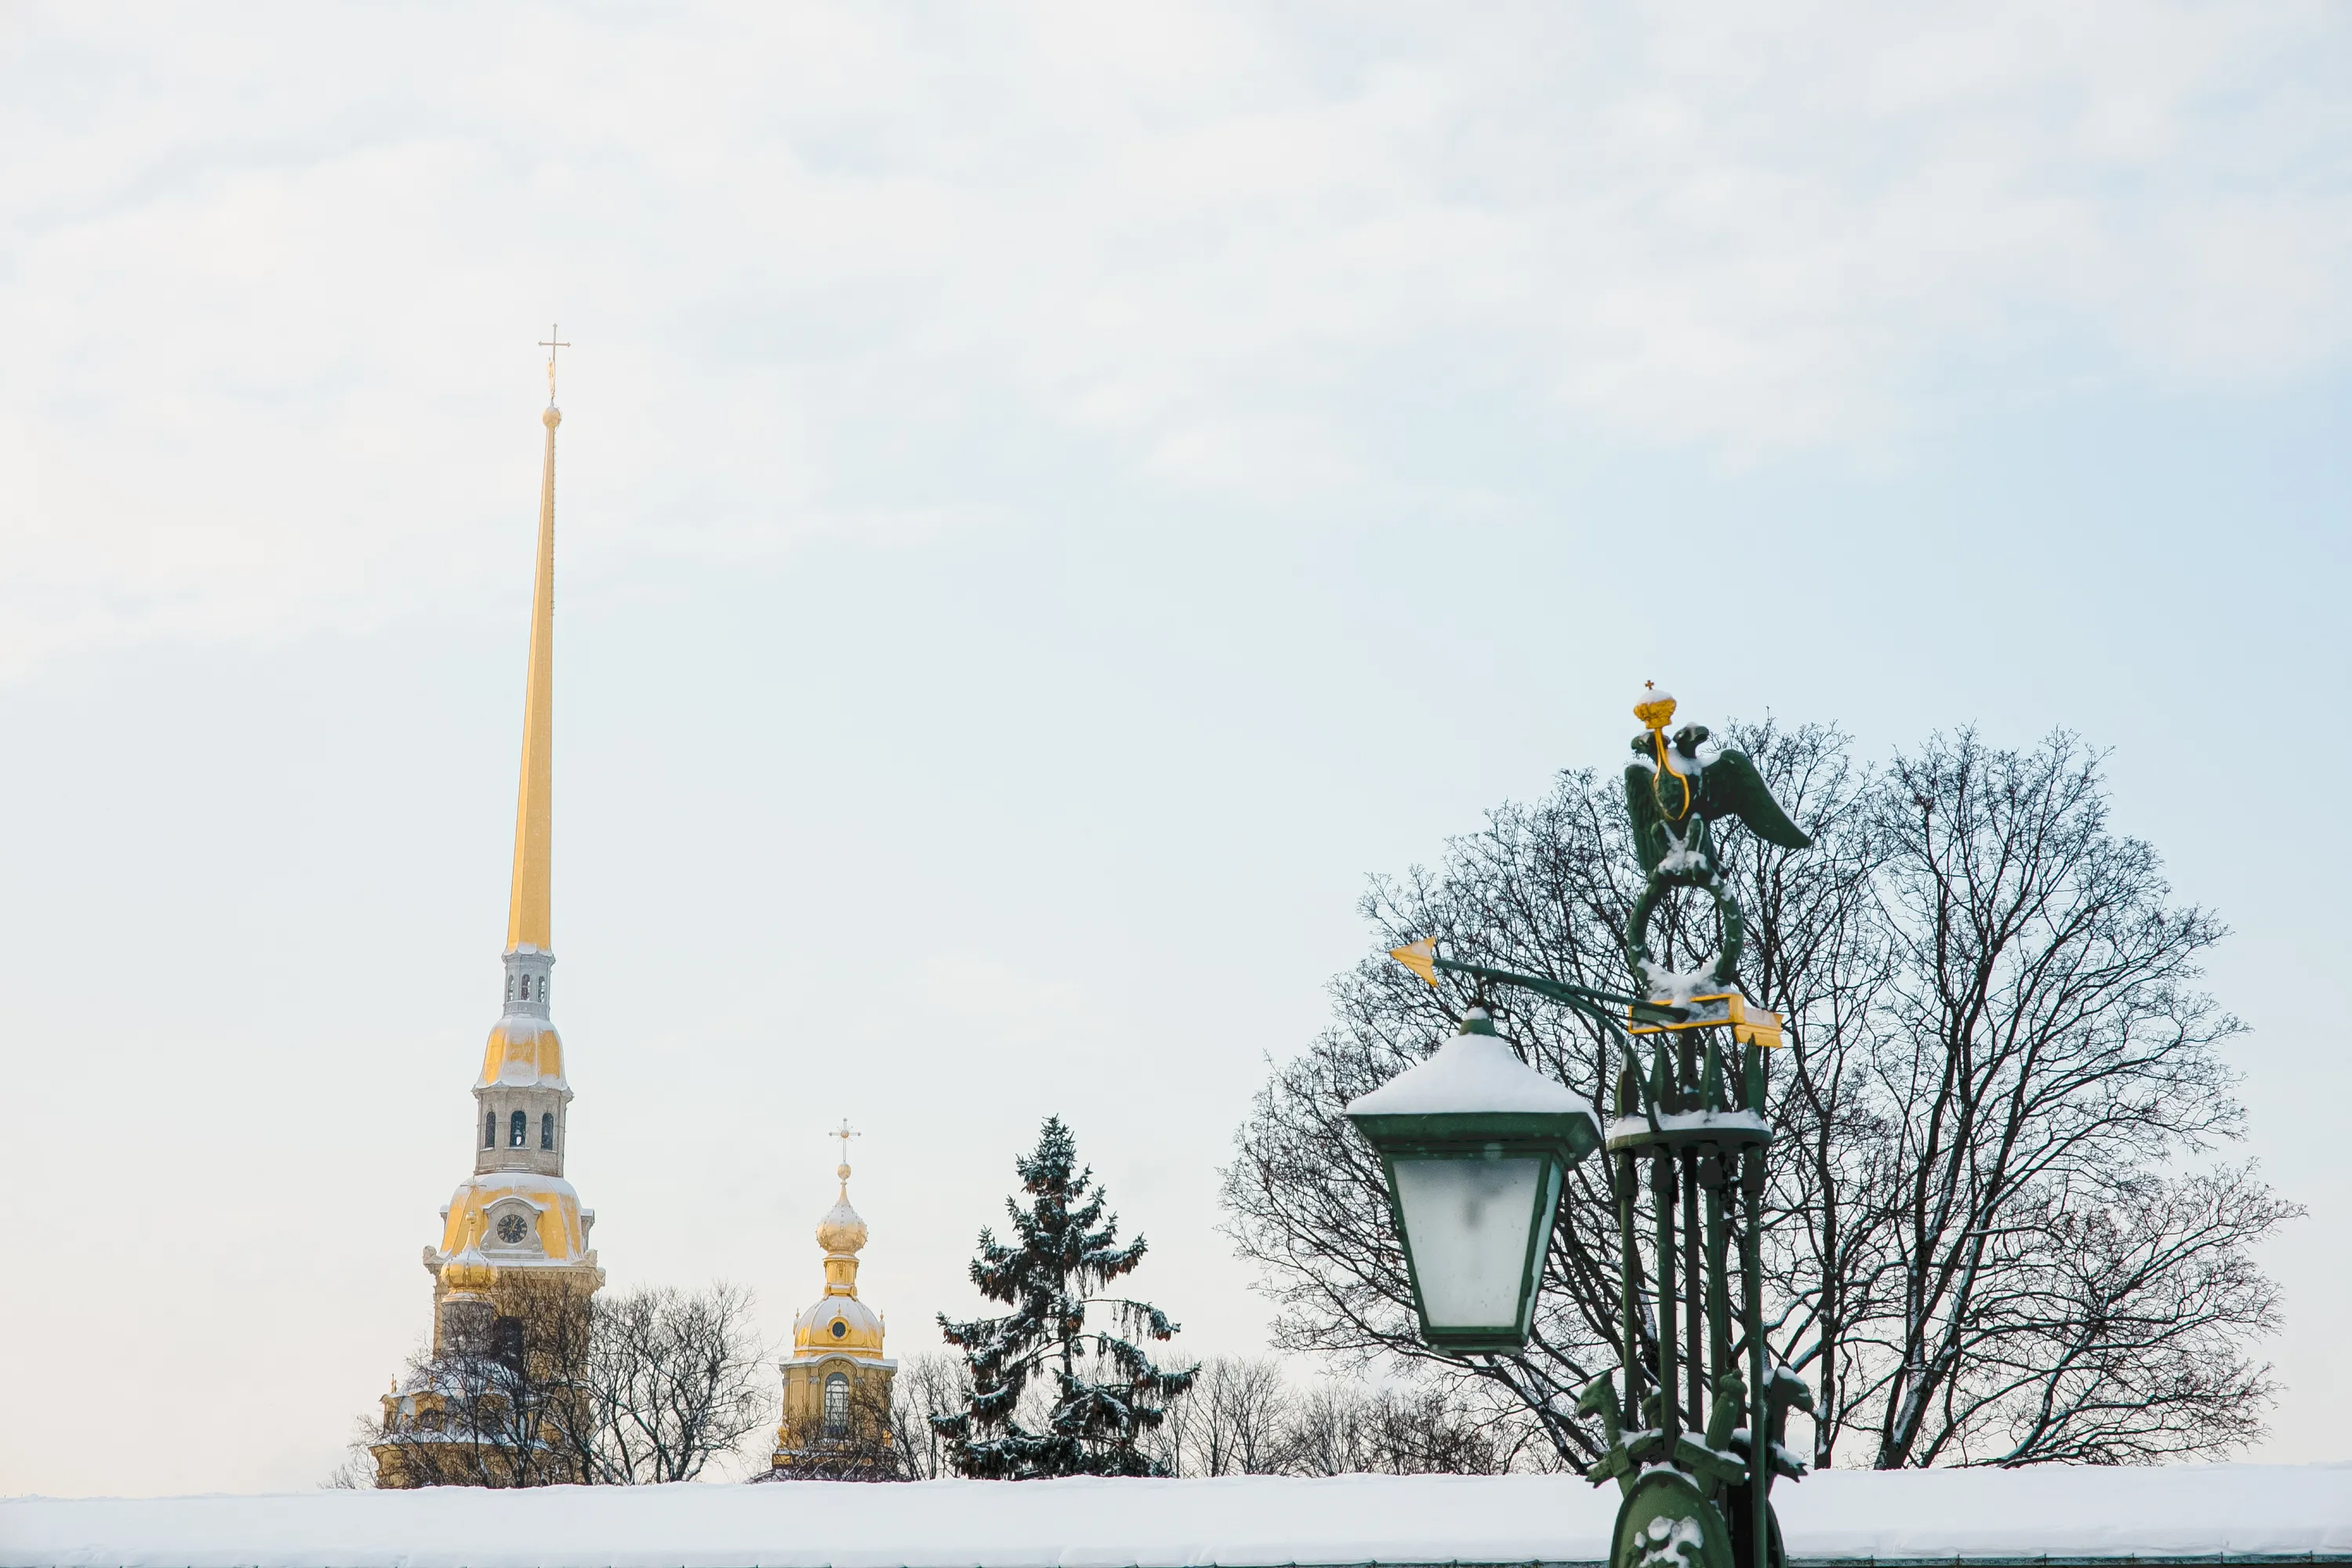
(1475, 1147)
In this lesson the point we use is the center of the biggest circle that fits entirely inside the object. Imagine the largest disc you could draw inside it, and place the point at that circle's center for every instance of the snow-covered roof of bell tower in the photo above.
(523, 1053)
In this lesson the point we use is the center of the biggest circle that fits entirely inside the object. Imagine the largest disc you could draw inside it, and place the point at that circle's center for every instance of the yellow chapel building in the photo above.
(514, 1229)
(837, 1383)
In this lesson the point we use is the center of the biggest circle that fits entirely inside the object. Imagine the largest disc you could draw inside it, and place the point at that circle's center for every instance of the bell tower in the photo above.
(515, 1217)
(837, 1383)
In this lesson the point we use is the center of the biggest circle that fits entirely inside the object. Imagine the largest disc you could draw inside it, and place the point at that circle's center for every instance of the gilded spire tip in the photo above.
(528, 920)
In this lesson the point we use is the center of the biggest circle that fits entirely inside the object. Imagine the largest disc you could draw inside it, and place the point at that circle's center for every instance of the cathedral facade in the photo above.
(514, 1254)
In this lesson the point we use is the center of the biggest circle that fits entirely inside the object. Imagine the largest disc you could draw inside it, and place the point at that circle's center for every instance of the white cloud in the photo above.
(269, 293)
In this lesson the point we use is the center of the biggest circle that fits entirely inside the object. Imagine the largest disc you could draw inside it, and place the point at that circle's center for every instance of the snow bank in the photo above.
(2058, 1512)
(2209, 1511)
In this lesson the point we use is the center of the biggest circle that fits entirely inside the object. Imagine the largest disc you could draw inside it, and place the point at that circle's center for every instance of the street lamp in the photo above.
(1474, 1145)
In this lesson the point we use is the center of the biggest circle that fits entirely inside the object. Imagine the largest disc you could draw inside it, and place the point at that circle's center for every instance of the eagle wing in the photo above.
(1642, 809)
(1735, 788)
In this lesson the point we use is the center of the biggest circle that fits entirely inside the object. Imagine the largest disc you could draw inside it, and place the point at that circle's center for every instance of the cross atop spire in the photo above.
(551, 343)
(845, 1132)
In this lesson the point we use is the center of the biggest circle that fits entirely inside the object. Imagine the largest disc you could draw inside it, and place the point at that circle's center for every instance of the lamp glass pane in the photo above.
(1467, 1222)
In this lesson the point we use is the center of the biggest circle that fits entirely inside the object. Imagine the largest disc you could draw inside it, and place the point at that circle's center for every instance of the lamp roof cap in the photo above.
(1473, 1071)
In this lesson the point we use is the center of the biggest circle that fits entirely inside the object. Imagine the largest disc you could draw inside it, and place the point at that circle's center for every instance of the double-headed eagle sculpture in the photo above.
(1675, 790)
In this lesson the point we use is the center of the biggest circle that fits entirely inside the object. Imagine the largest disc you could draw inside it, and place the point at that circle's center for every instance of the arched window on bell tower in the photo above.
(517, 1125)
(490, 1129)
(547, 1129)
(837, 1406)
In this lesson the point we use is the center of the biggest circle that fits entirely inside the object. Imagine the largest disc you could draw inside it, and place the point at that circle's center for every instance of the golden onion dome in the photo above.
(840, 1231)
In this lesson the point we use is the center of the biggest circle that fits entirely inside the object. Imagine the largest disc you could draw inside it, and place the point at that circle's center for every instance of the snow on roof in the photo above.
(2303, 1511)
(1468, 1072)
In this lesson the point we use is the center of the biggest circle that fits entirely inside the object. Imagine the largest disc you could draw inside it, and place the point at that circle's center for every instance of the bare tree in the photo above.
(930, 1386)
(498, 1404)
(1982, 1244)
(672, 1381)
(555, 1387)
(1543, 890)
(1232, 1421)
(1343, 1428)
(2060, 1289)
(1242, 1416)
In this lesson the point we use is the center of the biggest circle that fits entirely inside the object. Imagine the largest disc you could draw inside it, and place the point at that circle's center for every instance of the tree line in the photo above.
(653, 1386)
(1240, 1416)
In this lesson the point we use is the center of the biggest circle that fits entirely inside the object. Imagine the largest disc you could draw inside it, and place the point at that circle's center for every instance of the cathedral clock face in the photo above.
(512, 1228)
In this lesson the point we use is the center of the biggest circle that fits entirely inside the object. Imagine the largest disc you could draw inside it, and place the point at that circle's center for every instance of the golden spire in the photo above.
(527, 911)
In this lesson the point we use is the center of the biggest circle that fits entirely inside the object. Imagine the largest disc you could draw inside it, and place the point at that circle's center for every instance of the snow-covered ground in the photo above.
(2187, 1510)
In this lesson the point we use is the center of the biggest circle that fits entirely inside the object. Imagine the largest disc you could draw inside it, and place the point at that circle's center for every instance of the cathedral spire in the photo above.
(527, 906)
(516, 1219)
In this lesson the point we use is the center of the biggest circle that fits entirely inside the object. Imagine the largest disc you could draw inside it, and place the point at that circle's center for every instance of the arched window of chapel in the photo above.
(837, 1406)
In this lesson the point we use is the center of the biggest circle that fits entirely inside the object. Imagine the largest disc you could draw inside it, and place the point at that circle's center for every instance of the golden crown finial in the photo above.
(1656, 709)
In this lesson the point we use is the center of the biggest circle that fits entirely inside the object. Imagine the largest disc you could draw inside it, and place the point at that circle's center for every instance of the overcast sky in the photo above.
(1050, 499)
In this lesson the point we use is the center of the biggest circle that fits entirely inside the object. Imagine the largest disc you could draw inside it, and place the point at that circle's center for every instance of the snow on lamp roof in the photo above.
(1473, 1071)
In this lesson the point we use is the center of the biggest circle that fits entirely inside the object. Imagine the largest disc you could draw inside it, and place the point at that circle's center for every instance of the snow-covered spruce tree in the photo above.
(1108, 1394)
